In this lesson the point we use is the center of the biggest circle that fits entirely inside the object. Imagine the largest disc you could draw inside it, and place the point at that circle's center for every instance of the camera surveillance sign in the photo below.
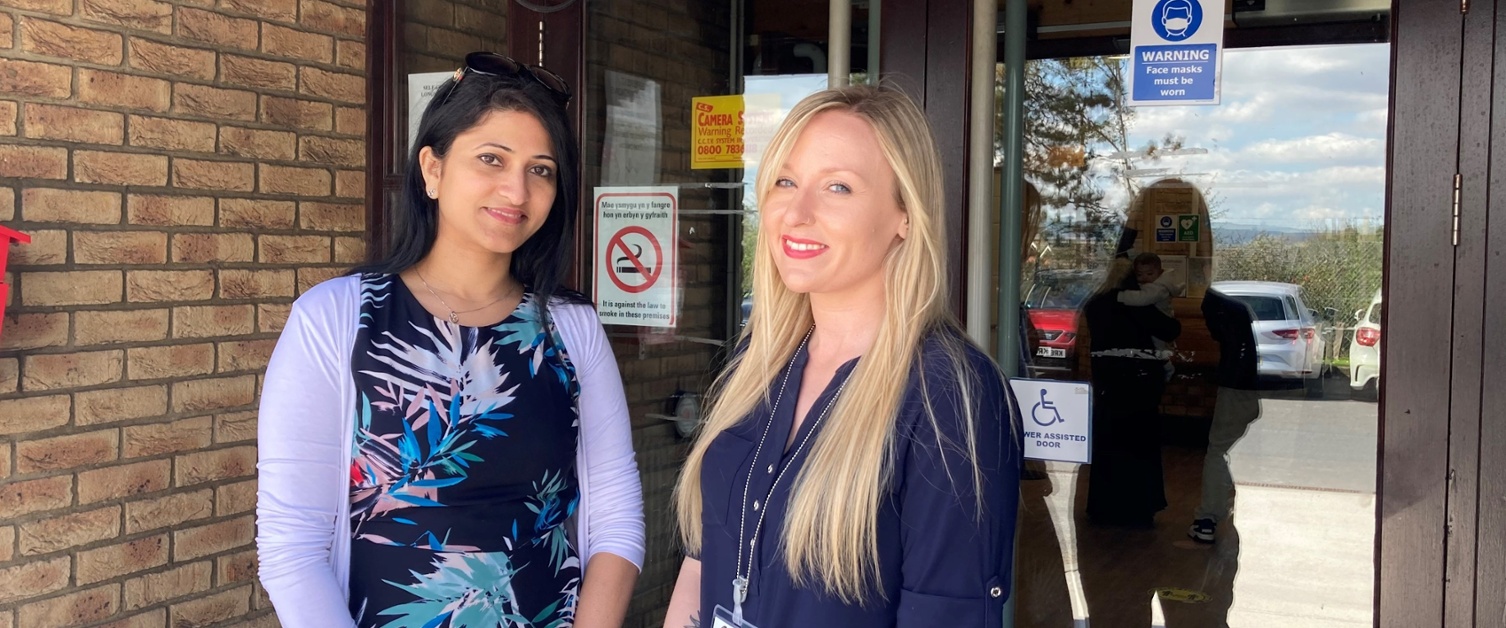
(1176, 52)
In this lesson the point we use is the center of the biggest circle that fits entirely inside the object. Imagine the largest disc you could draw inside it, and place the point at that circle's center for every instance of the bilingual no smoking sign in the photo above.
(635, 257)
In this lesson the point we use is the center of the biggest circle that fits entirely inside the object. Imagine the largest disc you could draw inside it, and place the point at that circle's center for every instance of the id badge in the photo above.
(722, 618)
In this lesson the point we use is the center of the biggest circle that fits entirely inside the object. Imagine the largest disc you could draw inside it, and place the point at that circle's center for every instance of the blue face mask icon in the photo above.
(1176, 17)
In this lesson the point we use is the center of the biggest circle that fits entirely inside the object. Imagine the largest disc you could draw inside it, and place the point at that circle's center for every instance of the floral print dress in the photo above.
(463, 469)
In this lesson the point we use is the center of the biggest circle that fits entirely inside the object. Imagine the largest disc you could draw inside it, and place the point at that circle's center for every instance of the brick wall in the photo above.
(186, 168)
(684, 47)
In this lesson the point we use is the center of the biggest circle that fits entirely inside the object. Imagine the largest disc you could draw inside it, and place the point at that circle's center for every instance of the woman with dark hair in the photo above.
(444, 439)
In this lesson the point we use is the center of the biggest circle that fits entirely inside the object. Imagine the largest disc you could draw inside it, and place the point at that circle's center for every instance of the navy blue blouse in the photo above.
(940, 564)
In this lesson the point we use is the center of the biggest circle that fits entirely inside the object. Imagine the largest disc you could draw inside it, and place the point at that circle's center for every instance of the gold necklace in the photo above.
(455, 314)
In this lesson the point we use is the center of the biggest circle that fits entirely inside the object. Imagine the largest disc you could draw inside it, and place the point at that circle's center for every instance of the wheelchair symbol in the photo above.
(1045, 405)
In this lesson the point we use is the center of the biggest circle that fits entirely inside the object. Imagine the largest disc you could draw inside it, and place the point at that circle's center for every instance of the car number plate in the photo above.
(1051, 352)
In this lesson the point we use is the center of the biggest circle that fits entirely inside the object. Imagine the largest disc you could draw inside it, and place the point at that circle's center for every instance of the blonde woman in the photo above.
(859, 464)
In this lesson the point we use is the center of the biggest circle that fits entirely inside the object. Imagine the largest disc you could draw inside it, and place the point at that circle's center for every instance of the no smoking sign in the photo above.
(635, 255)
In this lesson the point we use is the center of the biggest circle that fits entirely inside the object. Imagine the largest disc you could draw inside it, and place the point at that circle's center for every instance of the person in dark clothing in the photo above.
(1125, 485)
(1230, 322)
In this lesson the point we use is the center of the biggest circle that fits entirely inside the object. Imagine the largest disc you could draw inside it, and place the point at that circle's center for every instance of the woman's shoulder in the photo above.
(950, 364)
(330, 295)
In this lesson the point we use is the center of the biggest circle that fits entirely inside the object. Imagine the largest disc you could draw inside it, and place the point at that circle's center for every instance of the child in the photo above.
(1156, 288)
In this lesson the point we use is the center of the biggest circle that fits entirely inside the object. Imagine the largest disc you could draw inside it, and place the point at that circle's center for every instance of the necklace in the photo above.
(455, 314)
(740, 579)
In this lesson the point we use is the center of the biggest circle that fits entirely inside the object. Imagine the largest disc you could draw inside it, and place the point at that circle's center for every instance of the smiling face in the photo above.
(496, 185)
(832, 215)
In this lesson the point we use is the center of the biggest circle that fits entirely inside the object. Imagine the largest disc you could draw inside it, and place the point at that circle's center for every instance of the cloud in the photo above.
(1326, 148)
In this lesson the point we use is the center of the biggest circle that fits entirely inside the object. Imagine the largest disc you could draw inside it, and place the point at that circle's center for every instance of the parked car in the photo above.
(1287, 338)
(1053, 301)
(1365, 349)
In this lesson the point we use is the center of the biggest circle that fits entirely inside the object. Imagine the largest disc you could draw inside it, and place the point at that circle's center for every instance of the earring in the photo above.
(433, 193)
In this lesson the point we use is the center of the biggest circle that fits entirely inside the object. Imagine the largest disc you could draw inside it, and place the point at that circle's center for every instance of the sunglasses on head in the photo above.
(493, 64)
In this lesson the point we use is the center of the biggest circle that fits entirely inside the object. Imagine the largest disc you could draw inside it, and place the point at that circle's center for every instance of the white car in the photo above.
(1365, 348)
(1287, 339)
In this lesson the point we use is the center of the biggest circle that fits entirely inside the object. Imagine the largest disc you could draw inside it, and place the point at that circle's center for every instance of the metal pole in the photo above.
(1012, 197)
(981, 168)
(839, 44)
(874, 7)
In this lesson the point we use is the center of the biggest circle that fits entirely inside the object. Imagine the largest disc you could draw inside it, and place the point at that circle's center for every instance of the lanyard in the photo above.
(740, 577)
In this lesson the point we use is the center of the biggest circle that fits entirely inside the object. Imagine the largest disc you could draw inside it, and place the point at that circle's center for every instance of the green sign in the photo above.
(1189, 228)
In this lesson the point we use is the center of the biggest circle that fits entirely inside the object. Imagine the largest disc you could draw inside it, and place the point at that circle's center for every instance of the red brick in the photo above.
(118, 560)
(124, 481)
(75, 609)
(350, 184)
(350, 250)
(73, 206)
(212, 539)
(55, 7)
(119, 168)
(7, 548)
(302, 114)
(9, 111)
(309, 277)
(237, 567)
(236, 498)
(161, 58)
(293, 180)
(337, 19)
(350, 121)
(258, 73)
(74, 124)
(28, 78)
(33, 162)
(296, 44)
(169, 285)
(201, 248)
(280, 10)
(141, 441)
(212, 609)
(122, 90)
(7, 39)
(256, 214)
(213, 175)
(67, 452)
(110, 327)
(173, 583)
(31, 414)
(258, 143)
(120, 404)
(151, 619)
(33, 578)
(235, 427)
(270, 317)
(351, 54)
(34, 331)
(255, 284)
(209, 321)
(169, 511)
(331, 217)
(49, 247)
(217, 29)
(51, 39)
(170, 361)
(213, 102)
(170, 211)
(169, 134)
(65, 531)
(325, 150)
(119, 247)
(336, 86)
(10, 382)
(72, 370)
(294, 249)
(207, 395)
(147, 15)
(90, 287)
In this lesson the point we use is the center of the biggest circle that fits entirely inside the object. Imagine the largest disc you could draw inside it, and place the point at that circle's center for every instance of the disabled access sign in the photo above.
(1057, 419)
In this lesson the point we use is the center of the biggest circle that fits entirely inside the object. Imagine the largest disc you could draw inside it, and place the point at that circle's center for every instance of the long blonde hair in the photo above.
(830, 529)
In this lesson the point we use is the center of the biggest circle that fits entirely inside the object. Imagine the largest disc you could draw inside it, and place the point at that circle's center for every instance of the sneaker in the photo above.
(1201, 530)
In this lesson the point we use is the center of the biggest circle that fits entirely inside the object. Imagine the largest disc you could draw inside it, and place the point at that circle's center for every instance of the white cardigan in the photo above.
(306, 431)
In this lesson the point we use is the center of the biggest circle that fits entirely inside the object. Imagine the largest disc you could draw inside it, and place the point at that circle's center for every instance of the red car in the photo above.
(1053, 302)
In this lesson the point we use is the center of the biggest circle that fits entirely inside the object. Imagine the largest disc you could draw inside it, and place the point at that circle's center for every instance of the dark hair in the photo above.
(541, 261)
(1148, 259)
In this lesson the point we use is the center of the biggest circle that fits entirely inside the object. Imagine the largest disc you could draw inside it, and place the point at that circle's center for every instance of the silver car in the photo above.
(1287, 335)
